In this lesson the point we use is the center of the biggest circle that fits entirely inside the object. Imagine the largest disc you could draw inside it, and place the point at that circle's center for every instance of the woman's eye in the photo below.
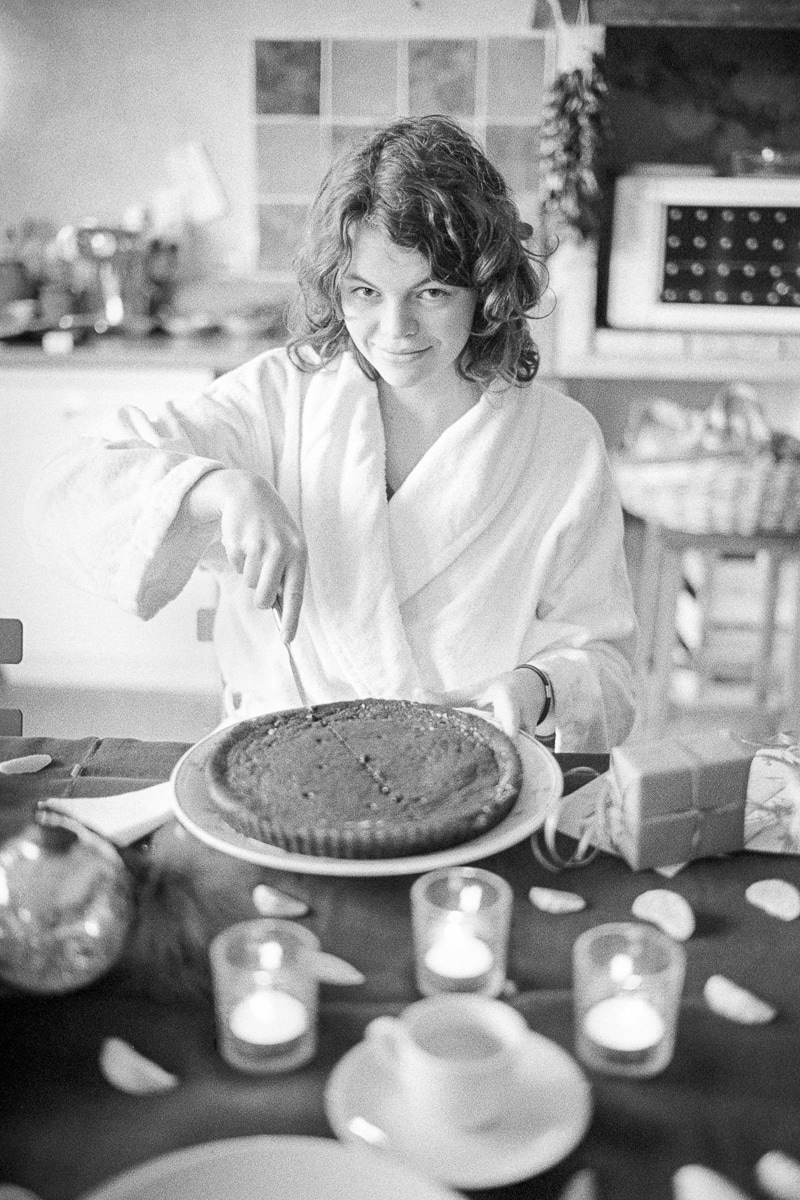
(363, 292)
(434, 293)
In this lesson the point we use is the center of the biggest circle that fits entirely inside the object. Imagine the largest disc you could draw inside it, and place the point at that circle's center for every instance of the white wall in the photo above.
(94, 93)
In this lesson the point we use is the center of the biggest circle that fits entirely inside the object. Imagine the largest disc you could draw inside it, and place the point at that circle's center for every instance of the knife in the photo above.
(276, 612)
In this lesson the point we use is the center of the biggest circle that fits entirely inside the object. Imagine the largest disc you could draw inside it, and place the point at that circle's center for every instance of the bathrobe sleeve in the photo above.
(106, 513)
(584, 634)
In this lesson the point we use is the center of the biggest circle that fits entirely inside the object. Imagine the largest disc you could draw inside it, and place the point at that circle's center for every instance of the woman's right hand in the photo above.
(259, 536)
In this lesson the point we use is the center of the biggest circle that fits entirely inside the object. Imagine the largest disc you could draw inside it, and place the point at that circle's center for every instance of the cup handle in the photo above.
(387, 1037)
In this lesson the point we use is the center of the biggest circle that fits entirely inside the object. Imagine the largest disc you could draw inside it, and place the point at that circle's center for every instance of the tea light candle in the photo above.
(457, 955)
(627, 980)
(461, 918)
(269, 1019)
(265, 995)
(626, 1024)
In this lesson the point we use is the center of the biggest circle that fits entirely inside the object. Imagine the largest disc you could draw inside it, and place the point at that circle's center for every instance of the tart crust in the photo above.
(364, 778)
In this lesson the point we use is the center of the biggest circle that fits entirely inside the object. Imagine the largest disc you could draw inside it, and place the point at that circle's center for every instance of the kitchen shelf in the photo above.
(764, 14)
(581, 350)
(722, 370)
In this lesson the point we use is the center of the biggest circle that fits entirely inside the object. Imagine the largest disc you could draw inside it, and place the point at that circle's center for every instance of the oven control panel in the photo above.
(705, 252)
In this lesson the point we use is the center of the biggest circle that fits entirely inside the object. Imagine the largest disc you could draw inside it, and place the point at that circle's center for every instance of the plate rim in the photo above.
(450, 1177)
(153, 1169)
(508, 832)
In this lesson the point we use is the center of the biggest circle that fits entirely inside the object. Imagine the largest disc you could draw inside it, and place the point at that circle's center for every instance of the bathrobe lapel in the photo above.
(456, 491)
(367, 558)
(351, 603)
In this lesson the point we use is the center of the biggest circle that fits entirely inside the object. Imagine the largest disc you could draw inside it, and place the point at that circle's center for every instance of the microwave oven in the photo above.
(705, 252)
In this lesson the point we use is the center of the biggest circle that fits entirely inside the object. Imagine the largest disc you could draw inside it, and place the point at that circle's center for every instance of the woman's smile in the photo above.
(401, 354)
(409, 326)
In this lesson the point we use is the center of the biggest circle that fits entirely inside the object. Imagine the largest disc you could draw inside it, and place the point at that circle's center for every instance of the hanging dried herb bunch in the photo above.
(574, 135)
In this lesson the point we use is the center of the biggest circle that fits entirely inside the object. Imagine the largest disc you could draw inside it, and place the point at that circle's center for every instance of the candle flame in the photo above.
(620, 968)
(270, 956)
(456, 952)
(469, 900)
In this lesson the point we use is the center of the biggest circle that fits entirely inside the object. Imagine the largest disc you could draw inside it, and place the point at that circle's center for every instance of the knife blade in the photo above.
(298, 683)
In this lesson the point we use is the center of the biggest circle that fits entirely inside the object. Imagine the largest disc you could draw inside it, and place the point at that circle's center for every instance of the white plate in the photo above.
(542, 784)
(270, 1168)
(549, 1110)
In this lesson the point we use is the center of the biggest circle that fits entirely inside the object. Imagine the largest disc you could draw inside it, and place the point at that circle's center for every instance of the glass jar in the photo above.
(66, 906)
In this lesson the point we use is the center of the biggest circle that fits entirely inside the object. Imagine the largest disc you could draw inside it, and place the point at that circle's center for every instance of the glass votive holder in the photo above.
(627, 981)
(265, 995)
(461, 921)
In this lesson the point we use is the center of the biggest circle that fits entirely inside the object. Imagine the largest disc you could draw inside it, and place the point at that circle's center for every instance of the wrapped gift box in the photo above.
(680, 798)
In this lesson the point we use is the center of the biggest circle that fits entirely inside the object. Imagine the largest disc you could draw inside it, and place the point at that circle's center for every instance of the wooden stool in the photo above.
(660, 584)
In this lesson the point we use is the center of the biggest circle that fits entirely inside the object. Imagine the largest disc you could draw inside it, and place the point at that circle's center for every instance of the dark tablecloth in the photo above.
(731, 1093)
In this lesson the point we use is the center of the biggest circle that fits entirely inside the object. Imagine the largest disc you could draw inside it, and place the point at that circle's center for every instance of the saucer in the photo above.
(548, 1113)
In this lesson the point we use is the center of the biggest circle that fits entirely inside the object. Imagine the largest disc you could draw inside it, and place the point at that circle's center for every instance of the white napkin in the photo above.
(123, 818)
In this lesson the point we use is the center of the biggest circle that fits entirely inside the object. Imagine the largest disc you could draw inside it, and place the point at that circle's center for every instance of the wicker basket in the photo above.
(723, 494)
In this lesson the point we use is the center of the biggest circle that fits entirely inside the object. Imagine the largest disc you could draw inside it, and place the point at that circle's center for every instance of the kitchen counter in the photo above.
(214, 352)
(220, 353)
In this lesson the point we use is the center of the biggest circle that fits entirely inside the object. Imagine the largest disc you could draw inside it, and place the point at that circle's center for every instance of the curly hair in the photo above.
(430, 187)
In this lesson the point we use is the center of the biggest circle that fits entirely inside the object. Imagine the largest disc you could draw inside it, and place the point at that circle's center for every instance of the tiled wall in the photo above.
(312, 96)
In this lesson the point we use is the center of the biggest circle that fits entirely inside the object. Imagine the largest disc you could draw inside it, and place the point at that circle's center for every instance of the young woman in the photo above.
(431, 523)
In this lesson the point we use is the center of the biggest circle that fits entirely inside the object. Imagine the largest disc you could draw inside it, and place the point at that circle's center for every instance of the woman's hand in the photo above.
(259, 536)
(515, 700)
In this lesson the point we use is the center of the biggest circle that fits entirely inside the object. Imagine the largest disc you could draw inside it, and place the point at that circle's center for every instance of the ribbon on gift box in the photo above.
(663, 803)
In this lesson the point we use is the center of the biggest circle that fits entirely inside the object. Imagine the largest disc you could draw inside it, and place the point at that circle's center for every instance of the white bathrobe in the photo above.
(503, 545)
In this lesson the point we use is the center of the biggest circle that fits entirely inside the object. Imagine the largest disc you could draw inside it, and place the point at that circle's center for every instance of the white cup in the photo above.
(454, 1055)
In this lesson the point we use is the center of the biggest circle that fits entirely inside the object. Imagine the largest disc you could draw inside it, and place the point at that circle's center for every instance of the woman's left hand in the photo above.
(515, 699)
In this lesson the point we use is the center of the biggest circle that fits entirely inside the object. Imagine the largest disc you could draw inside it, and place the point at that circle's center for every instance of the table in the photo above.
(731, 1093)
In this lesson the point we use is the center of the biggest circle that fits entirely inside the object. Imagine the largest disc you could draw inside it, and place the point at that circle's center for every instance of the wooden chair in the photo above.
(10, 652)
(660, 584)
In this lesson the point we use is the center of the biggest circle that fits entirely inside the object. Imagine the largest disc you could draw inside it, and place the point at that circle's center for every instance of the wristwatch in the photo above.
(549, 694)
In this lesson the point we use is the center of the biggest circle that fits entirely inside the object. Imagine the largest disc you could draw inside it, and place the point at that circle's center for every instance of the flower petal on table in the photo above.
(695, 1182)
(668, 910)
(778, 1175)
(331, 969)
(129, 1071)
(269, 902)
(25, 765)
(582, 1186)
(555, 900)
(730, 1000)
(777, 897)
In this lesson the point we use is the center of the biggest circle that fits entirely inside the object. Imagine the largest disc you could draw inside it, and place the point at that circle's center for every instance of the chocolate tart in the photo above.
(364, 778)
